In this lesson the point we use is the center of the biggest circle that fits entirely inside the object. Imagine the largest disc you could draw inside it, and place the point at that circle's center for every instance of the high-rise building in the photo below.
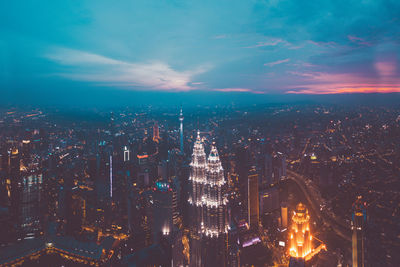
(252, 199)
(301, 241)
(358, 224)
(284, 216)
(127, 154)
(30, 217)
(163, 209)
(198, 181)
(181, 130)
(209, 208)
(300, 236)
(269, 200)
(15, 177)
(214, 200)
(156, 133)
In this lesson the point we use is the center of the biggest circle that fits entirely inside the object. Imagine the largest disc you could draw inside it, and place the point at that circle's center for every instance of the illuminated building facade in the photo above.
(284, 216)
(209, 207)
(358, 224)
(197, 177)
(156, 133)
(214, 200)
(30, 217)
(127, 154)
(300, 235)
(181, 130)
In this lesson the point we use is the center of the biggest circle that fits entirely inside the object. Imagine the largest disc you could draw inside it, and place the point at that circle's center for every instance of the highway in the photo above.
(313, 197)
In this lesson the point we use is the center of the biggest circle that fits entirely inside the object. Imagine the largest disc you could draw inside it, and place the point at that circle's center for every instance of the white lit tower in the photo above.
(209, 208)
(198, 180)
(214, 200)
(181, 130)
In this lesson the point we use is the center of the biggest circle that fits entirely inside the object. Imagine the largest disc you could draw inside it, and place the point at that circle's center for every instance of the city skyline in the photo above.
(120, 187)
(183, 133)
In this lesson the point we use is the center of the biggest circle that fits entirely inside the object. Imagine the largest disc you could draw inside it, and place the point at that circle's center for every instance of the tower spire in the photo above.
(181, 130)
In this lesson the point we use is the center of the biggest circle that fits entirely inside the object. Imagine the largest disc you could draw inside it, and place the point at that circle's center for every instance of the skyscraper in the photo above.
(127, 154)
(252, 199)
(300, 236)
(163, 209)
(156, 133)
(198, 180)
(30, 216)
(181, 130)
(209, 208)
(358, 224)
(214, 199)
(15, 177)
(284, 215)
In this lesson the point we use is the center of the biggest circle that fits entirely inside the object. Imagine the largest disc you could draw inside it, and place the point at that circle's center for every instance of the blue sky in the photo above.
(257, 47)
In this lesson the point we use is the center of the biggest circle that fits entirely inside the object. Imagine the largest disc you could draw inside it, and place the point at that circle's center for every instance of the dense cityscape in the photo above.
(263, 185)
(185, 133)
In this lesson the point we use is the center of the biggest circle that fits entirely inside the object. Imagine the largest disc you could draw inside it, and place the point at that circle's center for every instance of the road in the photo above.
(313, 197)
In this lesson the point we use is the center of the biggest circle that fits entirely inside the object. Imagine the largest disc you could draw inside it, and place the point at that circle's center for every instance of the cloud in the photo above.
(386, 68)
(385, 81)
(103, 70)
(272, 42)
(358, 40)
(232, 90)
(239, 90)
(271, 64)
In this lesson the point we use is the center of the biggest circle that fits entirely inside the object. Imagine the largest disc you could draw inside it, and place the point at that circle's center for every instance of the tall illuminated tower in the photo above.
(209, 208)
(300, 236)
(181, 130)
(214, 200)
(358, 224)
(198, 180)
(111, 177)
(156, 133)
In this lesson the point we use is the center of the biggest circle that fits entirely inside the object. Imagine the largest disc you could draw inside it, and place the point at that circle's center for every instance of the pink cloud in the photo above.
(336, 83)
(322, 44)
(344, 89)
(386, 68)
(226, 90)
(232, 90)
(358, 40)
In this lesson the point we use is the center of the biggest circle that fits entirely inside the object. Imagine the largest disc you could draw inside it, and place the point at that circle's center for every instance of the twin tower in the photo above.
(208, 201)
(208, 198)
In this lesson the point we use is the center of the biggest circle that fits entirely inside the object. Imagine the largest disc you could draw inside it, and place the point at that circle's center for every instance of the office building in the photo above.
(358, 225)
(252, 199)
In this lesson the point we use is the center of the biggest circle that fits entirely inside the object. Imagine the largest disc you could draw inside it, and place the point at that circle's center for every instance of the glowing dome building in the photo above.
(300, 236)
(301, 240)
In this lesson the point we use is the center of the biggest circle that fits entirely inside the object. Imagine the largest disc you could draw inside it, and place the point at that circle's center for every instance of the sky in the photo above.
(68, 49)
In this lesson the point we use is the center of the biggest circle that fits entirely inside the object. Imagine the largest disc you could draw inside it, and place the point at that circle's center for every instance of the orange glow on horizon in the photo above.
(346, 90)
